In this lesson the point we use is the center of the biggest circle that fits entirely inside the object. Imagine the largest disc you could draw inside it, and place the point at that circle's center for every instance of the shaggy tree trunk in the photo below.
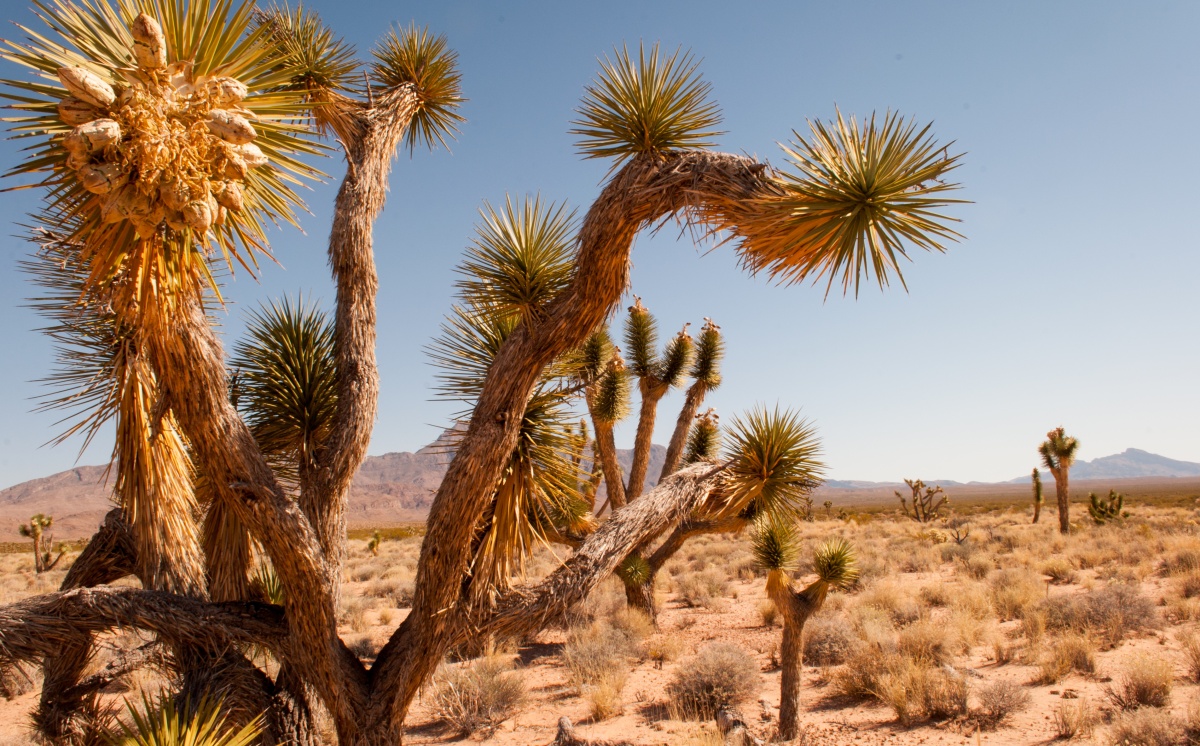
(1037, 510)
(795, 608)
(606, 450)
(1064, 505)
(683, 425)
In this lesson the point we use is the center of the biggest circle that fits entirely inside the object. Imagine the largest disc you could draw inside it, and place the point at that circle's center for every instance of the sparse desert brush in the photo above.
(1015, 591)
(998, 701)
(891, 599)
(597, 652)
(827, 641)
(663, 648)
(1074, 718)
(916, 692)
(1181, 562)
(768, 612)
(934, 594)
(972, 598)
(1144, 682)
(1147, 727)
(860, 676)
(1110, 612)
(1189, 585)
(1190, 645)
(704, 588)
(479, 695)
(927, 642)
(978, 566)
(1060, 570)
(966, 630)
(354, 615)
(1064, 655)
(721, 675)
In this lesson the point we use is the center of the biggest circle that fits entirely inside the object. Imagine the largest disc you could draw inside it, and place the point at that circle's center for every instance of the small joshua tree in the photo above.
(1037, 495)
(776, 548)
(1058, 454)
(1107, 509)
(828, 505)
(927, 502)
(36, 530)
(373, 544)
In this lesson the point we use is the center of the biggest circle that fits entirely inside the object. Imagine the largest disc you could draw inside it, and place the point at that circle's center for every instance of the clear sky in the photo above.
(1071, 302)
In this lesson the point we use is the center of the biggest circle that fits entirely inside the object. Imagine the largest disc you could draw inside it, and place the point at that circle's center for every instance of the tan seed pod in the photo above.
(78, 160)
(225, 91)
(143, 227)
(175, 221)
(102, 179)
(198, 215)
(75, 111)
(230, 195)
(179, 74)
(93, 137)
(235, 166)
(230, 127)
(252, 155)
(119, 204)
(174, 194)
(149, 44)
(87, 85)
(222, 213)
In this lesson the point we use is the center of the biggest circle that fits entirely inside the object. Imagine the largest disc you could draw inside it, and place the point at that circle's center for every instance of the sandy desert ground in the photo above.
(1016, 635)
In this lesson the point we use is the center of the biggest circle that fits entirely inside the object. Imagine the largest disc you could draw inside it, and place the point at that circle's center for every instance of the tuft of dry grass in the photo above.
(999, 701)
(721, 675)
(1190, 645)
(1074, 718)
(477, 696)
(1147, 727)
(1066, 654)
(827, 641)
(915, 692)
(1015, 591)
(702, 589)
(1145, 682)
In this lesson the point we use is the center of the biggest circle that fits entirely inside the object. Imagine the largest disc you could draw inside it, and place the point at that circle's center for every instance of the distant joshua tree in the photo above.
(1058, 454)
(1038, 499)
(36, 530)
(926, 503)
(1103, 510)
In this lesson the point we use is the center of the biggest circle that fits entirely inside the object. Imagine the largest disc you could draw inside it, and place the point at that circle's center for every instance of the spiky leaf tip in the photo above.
(775, 462)
(634, 570)
(641, 340)
(851, 200)
(676, 359)
(835, 562)
(520, 258)
(413, 56)
(775, 544)
(704, 440)
(652, 104)
(710, 350)
(312, 57)
(161, 720)
(610, 396)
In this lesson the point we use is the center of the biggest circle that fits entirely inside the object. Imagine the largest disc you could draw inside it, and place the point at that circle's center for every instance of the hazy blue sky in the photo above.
(1072, 300)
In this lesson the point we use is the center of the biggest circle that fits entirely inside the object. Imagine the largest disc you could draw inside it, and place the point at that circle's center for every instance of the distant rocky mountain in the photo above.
(391, 488)
(1130, 463)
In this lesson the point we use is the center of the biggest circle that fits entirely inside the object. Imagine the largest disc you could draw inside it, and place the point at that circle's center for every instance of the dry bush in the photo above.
(354, 615)
(386, 616)
(978, 566)
(477, 696)
(1189, 585)
(363, 647)
(702, 589)
(1014, 592)
(663, 649)
(596, 652)
(1181, 562)
(937, 594)
(1071, 652)
(1145, 682)
(1060, 571)
(917, 557)
(998, 701)
(890, 599)
(15, 681)
(1147, 727)
(827, 641)
(973, 599)
(1074, 718)
(768, 612)
(1190, 645)
(1111, 612)
(915, 692)
(926, 642)
(721, 675)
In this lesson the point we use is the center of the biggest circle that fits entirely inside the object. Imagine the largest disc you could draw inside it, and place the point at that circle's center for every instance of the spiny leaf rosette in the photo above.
(168, 137)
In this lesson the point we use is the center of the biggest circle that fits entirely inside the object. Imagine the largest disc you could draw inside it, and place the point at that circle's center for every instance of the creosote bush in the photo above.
(721, 675)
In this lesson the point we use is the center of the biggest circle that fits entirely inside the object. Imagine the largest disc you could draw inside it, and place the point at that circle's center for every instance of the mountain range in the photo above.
(399, 487)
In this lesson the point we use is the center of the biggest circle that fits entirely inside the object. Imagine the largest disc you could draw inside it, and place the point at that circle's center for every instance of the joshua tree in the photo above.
(42, 542)
(373, 544)
(828, 505)
(1058, 454)
(1103, 510)
(1037, 495)
(926, 503)
(169, 135)
(776, 548)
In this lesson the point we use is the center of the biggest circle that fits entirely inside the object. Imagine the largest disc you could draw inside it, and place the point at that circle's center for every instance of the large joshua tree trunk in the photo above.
(795, 608)
(1062, 491)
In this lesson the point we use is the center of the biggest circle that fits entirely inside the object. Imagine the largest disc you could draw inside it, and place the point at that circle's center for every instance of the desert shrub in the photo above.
(1190, 646)
(701, 589)
(769, 613)
(15, 681)
(915, 692)
(1181, 562)
(1072, 652)
(917, 558)
(663, 648)
(1111, 612)
(973, 599)
(597, 660)
(827, 642)
(479, 695)
(354, 615)
(936, 594)
(1015, 591)
(1189, 585)
(926, 642)
(888, 598)
(1146, 728)
(633, 624)
(1145, 682)
(1060, 571)
(998, 701)
(1074, 718)
(978, 566)
(867, 665)
(721, 675)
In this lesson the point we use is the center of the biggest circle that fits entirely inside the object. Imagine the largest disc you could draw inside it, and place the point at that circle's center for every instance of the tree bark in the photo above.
(606, 451)
(795, 608)
(1064, 504)
(683, 425)
(652, 394)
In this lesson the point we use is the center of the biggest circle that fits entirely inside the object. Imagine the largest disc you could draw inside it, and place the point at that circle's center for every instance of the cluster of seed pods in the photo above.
(169, 150)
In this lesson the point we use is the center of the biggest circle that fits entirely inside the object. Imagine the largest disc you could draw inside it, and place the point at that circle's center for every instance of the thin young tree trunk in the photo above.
(606, 451)
(790, 659)
(1064, 505)
(683, 425)
(652, 394)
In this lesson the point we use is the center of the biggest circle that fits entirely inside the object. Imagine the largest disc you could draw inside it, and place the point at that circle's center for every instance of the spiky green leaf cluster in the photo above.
(641, 340)
(611, 397)
(1105, 510)
(710, 349)
(163, 722)
(704, 440)
(413, 56)
(267, 585)
(311, 55)
(852, 198)
(634, 571)
(775, 544)
(835, 562)
(676, 359)
(1058, 450)
(286, 379)
(774, 463)
(654, 104)
(521, 257)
